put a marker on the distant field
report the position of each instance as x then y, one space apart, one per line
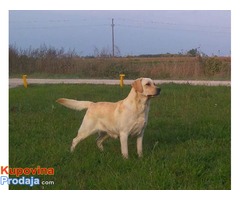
176 67
186 145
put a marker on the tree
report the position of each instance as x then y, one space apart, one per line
193 52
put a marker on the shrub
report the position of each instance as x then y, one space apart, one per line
214 66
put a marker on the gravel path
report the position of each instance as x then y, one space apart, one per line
14 82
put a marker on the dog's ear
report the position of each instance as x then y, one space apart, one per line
137 85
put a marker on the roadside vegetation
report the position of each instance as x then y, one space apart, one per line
49 62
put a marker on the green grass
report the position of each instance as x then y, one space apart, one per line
186 145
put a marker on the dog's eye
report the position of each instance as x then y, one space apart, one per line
148 84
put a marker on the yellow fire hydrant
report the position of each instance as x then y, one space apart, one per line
25 84
121 79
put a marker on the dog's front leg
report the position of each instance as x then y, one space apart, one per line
139 144
124 144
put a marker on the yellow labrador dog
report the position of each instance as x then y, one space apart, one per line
120 119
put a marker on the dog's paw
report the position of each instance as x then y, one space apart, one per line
72 149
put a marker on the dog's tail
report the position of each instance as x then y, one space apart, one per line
74 104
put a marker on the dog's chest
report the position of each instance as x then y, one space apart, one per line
137 126
138 121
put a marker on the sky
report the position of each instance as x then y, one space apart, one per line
135 32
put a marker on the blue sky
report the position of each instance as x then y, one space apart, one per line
136 32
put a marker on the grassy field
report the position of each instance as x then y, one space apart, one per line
187 143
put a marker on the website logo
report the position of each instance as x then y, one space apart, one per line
21 174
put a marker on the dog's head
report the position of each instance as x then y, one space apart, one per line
146 87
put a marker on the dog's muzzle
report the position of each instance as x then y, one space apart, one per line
158 90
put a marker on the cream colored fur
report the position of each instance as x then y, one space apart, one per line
120 119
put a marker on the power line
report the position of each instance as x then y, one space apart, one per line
172 29
149 27
155 22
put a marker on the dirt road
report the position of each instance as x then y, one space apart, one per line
14 82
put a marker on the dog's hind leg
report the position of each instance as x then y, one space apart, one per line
83 132
80 136
102 136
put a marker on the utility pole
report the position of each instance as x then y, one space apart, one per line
112 37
